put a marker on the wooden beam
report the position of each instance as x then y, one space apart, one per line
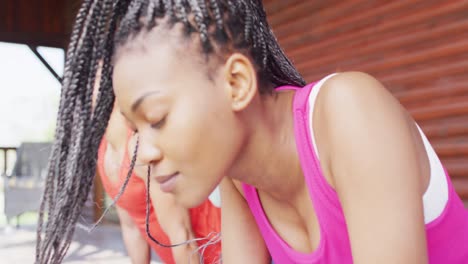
37 23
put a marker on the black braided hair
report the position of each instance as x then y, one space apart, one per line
101 27
241 23
72 165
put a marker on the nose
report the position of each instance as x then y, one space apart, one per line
148 152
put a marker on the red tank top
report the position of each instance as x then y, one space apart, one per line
205 218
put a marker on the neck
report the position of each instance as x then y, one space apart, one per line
269 161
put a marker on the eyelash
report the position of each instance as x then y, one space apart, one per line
159 124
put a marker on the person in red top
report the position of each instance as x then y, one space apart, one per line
168 222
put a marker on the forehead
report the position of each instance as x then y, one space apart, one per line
157 60
140 71
144 41
170 47
172 38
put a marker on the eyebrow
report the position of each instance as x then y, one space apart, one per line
140 100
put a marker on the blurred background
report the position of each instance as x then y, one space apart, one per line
33 39
417 48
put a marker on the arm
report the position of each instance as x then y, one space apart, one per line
241 239
176 223
136 245
375 169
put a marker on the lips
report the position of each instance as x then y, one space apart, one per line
167 182
164 178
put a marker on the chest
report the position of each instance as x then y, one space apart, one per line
298 224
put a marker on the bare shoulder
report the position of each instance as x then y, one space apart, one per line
350 89
357 96
353 109
372 155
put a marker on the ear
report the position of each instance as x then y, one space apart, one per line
241 79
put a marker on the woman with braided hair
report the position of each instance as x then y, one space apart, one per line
330 172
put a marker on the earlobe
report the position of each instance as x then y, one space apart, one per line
241 79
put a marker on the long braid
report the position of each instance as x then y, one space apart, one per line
69 180
54 242
86 112
68 92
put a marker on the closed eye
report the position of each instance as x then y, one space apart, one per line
159 124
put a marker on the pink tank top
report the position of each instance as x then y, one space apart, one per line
447 236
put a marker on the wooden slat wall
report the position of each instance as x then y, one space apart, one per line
417 48
41 23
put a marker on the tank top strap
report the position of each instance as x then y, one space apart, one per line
301 98
320 189
301 95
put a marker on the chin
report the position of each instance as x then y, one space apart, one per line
190 200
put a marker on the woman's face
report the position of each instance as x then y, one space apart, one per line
188 133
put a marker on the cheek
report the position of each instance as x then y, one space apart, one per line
192 128
213 138
204 141
201 132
